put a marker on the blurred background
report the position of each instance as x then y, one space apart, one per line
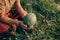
48 16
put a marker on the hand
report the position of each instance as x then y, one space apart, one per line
27 28
24 26
30 27
25 13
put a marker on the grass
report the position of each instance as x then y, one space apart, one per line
47 27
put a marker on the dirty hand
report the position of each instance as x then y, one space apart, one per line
21 24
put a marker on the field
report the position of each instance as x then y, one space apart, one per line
48 24
48 16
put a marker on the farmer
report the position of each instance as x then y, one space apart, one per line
5 21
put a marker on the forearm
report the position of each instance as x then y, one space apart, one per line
7 20
19 8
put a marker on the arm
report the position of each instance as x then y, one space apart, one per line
7 20
22 13
19 9
10 21
3 17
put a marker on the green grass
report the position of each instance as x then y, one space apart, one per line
57 1
48 24
48 16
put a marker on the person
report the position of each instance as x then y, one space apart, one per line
5 21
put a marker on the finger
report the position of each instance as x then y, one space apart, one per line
31 27
24 26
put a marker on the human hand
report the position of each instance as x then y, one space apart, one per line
24 26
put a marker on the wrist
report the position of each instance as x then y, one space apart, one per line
14 21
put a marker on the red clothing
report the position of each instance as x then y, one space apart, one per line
3 27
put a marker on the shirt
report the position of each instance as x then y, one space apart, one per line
5 5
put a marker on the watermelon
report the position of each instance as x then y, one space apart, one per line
30 19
